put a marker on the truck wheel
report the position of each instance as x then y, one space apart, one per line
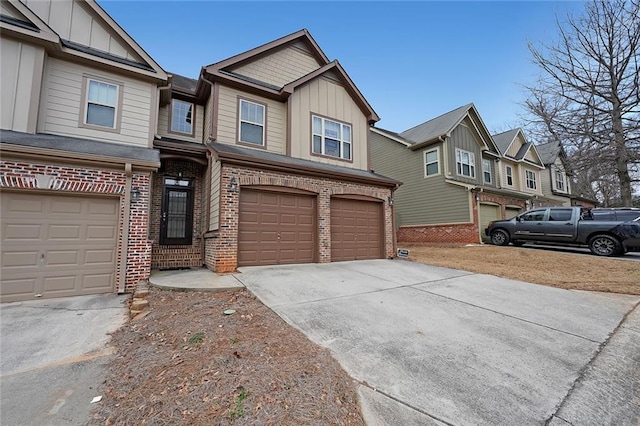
605 245
499 237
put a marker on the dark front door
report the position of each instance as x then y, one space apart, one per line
177 212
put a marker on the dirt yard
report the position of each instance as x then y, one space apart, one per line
188 363
548 267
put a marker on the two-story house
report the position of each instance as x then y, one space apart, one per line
79 106
455 178
264 160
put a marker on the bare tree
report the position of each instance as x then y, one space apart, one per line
588 96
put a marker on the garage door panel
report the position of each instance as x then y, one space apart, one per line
356 229
59 246
282 230
488 212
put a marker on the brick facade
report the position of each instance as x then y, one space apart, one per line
177 256
221 246
67 179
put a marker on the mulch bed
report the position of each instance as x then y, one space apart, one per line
188 363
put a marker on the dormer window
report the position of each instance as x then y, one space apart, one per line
182 114
331 138
251 127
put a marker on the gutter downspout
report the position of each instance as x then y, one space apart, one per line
393 222
207 200
125 229
211 94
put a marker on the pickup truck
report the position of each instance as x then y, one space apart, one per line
567 226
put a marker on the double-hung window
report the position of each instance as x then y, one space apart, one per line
531 179
509 176
465 163
182 117
331 138
102 104
486 171
431 162
560 180
252 119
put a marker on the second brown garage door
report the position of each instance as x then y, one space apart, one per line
276 228
356 230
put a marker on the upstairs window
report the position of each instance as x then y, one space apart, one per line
432 162
252 119
331 138
531 179
182 117
465 163
560 180
486 171
509 176
101 104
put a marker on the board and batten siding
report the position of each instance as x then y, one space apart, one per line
463 138
163 124
330 100
75 21
228 119
281 67
62 105
420 200
214 199
515 147
21 66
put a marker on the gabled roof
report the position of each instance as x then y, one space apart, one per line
390 135
243 57
549 152
505 139
442 126
26 23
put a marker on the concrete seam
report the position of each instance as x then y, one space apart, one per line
584 369
73 310
510 316
367 385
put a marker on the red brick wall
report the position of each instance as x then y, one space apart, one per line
69 179
221 247
177 256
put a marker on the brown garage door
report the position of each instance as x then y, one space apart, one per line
356 230
57 245
276 228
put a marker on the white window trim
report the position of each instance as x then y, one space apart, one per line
424 156
193 115
485 161
472 164
527 180
263 125
562 180
508 175
341 140
117 115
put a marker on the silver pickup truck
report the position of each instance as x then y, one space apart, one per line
567 226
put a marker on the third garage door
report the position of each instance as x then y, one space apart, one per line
356 229
276 228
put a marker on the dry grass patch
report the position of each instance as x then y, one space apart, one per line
550 268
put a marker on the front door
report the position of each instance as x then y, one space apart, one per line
176 226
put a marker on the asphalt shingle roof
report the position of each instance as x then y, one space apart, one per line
185 83
435 127
504 139
548 152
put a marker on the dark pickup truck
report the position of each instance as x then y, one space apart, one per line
567 226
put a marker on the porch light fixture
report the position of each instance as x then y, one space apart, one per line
135 194
390 201
233 185
477 197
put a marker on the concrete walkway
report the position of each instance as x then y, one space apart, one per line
437 346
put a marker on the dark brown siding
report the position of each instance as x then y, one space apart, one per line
356 230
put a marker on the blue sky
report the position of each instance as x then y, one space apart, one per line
412 60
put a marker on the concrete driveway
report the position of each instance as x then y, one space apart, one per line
53 357
434 346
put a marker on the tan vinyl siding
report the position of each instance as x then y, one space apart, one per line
280 67
75 21
420 200
531 156
21 68
546 181
523 179
214 201
515 147
463 138
330 100
228 119
62 105
163 125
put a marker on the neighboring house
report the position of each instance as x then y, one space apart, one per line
455 179
265 161
79 103
556 180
